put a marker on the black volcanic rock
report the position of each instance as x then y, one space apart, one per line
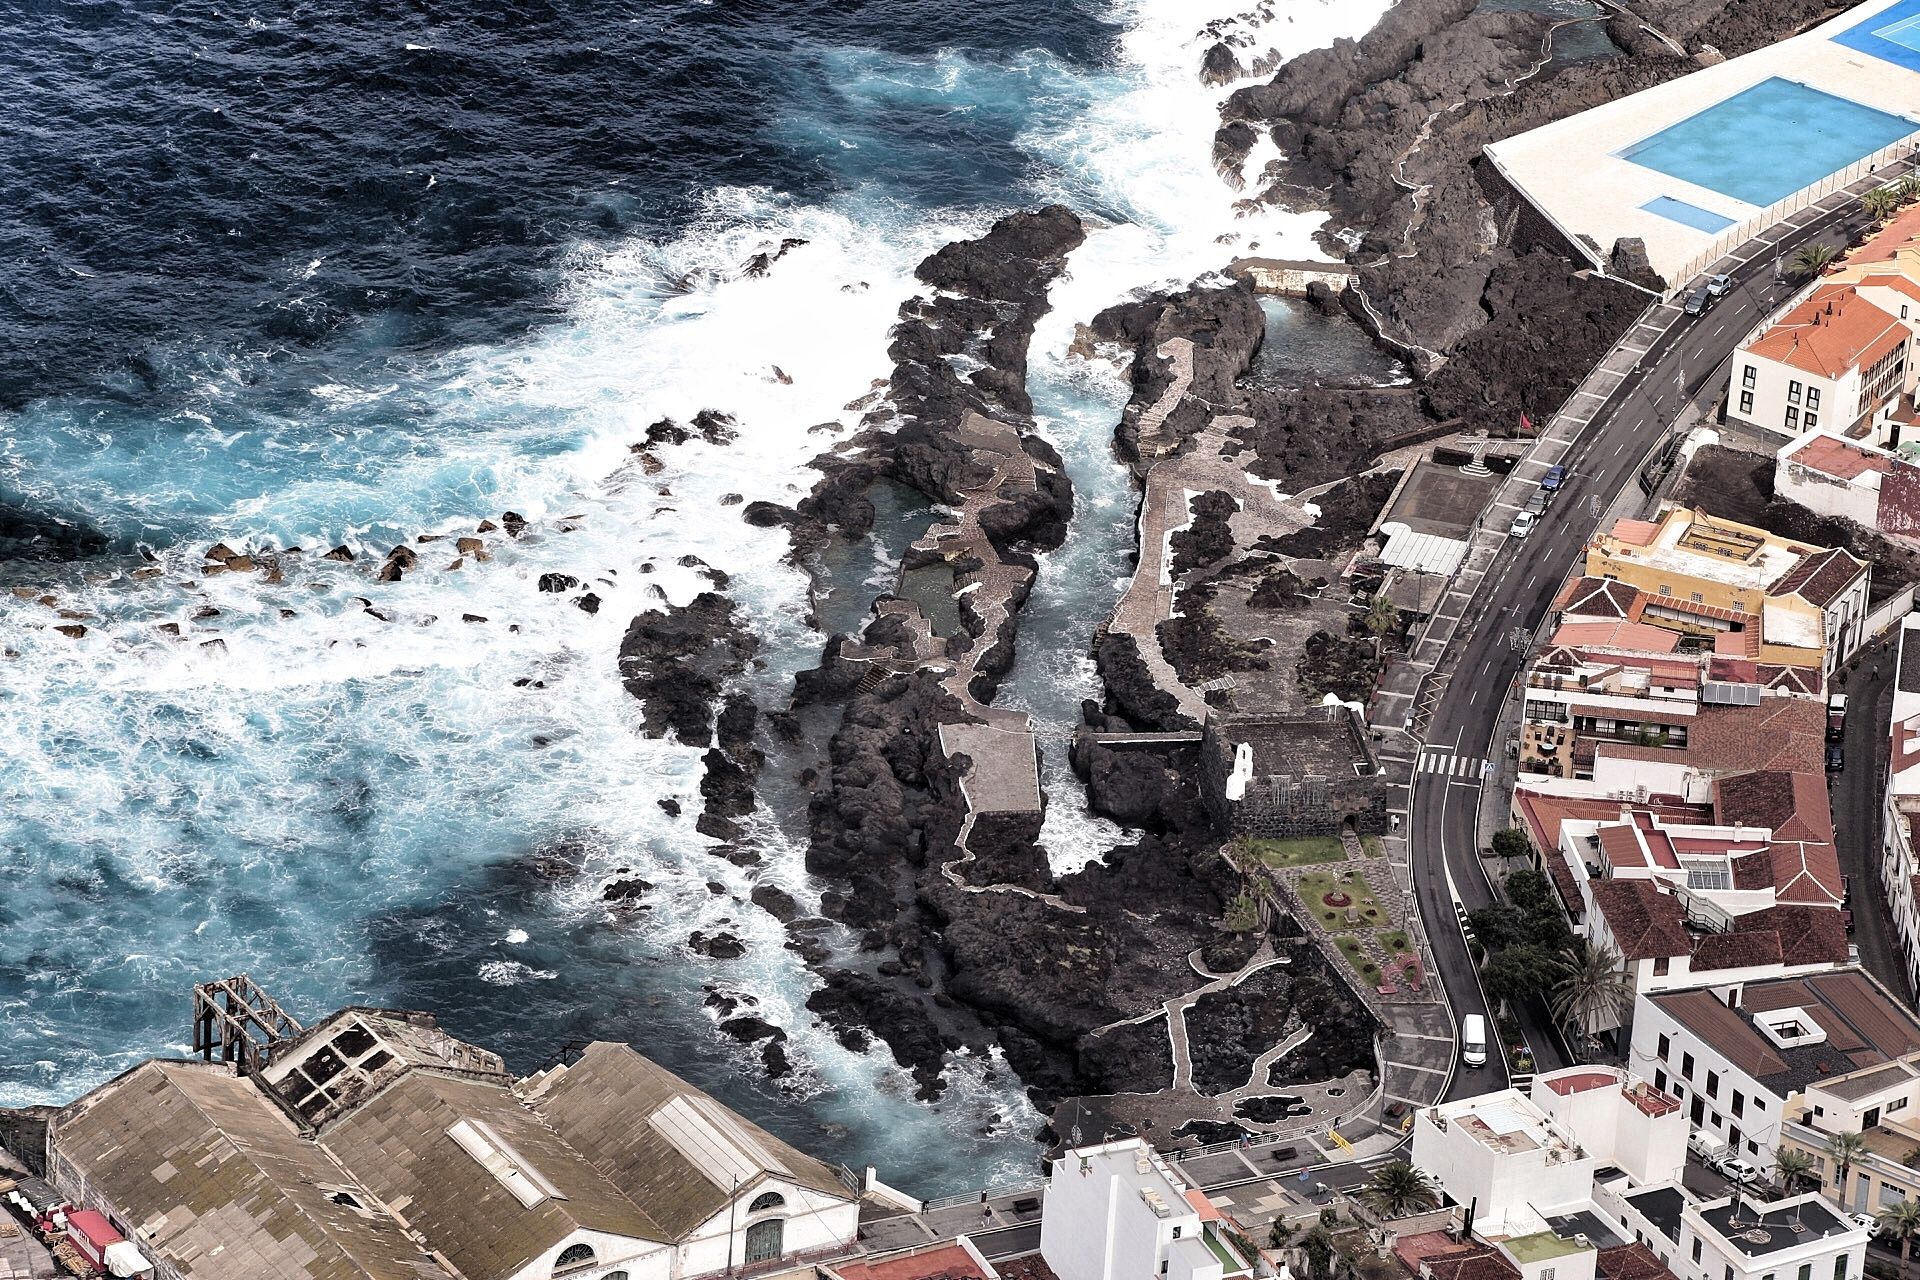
853 1003
675 661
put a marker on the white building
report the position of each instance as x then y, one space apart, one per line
1734 1054
1118 1211
1836 360
1735 1238
1618 1119
1504 1158
1899 865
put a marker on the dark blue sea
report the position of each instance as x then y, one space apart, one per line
313 274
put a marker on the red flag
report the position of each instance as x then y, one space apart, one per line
1526 423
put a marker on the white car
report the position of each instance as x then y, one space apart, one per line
1522 524
1865 1221
1734 1169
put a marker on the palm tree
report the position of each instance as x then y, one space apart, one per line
1594 991
1398 1189
1843 1149
1793 1166
1880 203
1812 259
1908 189
1901 1220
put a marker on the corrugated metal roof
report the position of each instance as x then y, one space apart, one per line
1427 552
214 1177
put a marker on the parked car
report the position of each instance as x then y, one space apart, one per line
1698 301
1555 477
1846 918
1836 757
1865 1221
1473 1040
1710 1149
1734 1169
1537 504
1836 717
1523 524
1718 285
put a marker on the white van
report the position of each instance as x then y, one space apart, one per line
1473 1040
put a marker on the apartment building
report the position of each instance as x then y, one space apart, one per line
1734 1054
1734 590
1739 1238
1900 838
1117 1210
1838 359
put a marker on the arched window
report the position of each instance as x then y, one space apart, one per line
614 1275
768 1200
763 1239
574 1255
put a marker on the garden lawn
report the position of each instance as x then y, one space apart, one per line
1298 853
1316 885
1356 953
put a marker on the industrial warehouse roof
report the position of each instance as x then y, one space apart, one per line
215 1179
215 1176
673 1147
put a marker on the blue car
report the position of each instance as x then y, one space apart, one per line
1555 477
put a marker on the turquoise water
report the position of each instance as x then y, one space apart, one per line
1769 141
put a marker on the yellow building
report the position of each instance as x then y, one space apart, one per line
1737 590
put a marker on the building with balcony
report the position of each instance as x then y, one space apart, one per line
1900 838
1117 1210
1881 1104
1839 359
375 1146
1734 1054
1735 590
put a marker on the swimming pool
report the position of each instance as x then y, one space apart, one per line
1769 141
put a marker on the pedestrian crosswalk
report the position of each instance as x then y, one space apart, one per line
1451 765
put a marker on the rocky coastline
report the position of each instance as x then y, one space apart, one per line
964 940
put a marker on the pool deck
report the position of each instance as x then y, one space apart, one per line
1572 170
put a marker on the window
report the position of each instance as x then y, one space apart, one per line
1665 590
770 1200
1660 1081
1793 416
1686 1069
493 1154
1840 1267
1753 1148
1697 599
573 1257
615 1275
1176 1233
1806 1271
763 1239
1546 1273
1813 419
1713 1084
1696 1248
1739 1103
1870 1118
1661 966
1897 1104
1729 1271
1759 1103
1746 376
1793 391
1813 397
1746 402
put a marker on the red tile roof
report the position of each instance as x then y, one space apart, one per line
1639 533
1807 934
1646 924
1581 596
1833 331
1841 459
1636 637
1543 812
943 1262
1780 733
1630 1262
1744 950
1479 1263
1820 577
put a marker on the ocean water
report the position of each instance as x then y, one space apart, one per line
348 275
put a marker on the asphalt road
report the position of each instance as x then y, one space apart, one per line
1693 354
1857 792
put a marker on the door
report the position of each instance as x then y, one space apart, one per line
763 1240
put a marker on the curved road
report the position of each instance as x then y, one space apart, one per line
1480 665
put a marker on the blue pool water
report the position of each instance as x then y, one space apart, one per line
1767 142
1892 35
1691 215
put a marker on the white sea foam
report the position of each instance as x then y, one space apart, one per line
343 768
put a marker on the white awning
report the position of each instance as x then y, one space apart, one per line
1427 552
